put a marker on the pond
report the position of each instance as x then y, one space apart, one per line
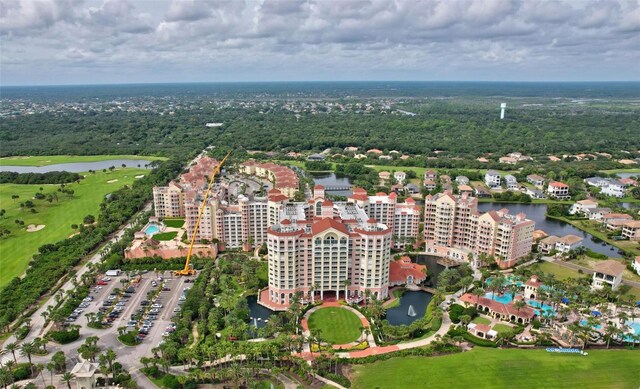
417 300
76 167
536 212
258 314
329 180
433 268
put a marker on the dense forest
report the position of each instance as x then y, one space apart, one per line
39 178
461 128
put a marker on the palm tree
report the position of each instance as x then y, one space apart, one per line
610 331
477 292
52 368
40 369
68 377
26 350
12 347
346 284
6 377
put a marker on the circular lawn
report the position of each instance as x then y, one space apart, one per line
337 325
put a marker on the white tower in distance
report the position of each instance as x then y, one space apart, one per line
502 108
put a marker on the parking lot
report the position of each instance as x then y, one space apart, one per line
146 306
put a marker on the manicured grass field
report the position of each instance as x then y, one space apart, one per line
44 160
16 249
481 320
500 328
496 368
559 271
337 325
165 235
174 223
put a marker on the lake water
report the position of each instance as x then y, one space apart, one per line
399 315
433 269
627 175
76 167
257 311
536 212
329 180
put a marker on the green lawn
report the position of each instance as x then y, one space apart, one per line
481 320
496 368
165 235
16 249
44 160
560 272
337 325
174 223
500 328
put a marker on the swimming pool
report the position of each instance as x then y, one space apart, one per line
504 299
547 310
584 323
151 229
635 327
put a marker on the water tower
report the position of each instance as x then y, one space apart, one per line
503 106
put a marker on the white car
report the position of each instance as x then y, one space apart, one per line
156 306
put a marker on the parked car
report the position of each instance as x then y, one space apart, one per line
156 306
144 302
177 309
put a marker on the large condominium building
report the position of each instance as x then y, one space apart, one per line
243 224
402 218
283 178
454 228
337 249
168 200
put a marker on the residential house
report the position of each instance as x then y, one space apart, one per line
430 185
615 221
482 192
430 175
351 149
316 157
560 245
462 180
596 213
510 182
384 175
360 156
580 207
607 273
534 193
631 230
608 186
385 157
536 180
374 151
558 190
412 188
492 178
636 264
400 176
462 189
508 160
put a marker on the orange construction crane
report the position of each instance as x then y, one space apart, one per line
188 271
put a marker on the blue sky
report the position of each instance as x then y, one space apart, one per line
120 41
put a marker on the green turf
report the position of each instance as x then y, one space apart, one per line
44 160
559 271
174 223
481 320
17 249
337 325
498 368
165 235
500 328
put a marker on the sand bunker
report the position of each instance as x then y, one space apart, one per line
112 181
34 228
140 176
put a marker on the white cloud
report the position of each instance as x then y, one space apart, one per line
308 39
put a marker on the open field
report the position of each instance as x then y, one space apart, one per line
632 170
173 223
560 272
58 216
44 160
337 325
495 368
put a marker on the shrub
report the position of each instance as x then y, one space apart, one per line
21 372
64 337
342 380
22 332
129 339
170 381
455 311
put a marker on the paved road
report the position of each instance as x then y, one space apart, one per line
37 321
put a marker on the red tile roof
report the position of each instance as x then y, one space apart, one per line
327 223
503 309
402 268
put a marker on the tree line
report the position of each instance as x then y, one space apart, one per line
39 178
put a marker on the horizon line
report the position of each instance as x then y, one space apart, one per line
318 81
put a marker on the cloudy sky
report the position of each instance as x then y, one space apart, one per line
122 41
